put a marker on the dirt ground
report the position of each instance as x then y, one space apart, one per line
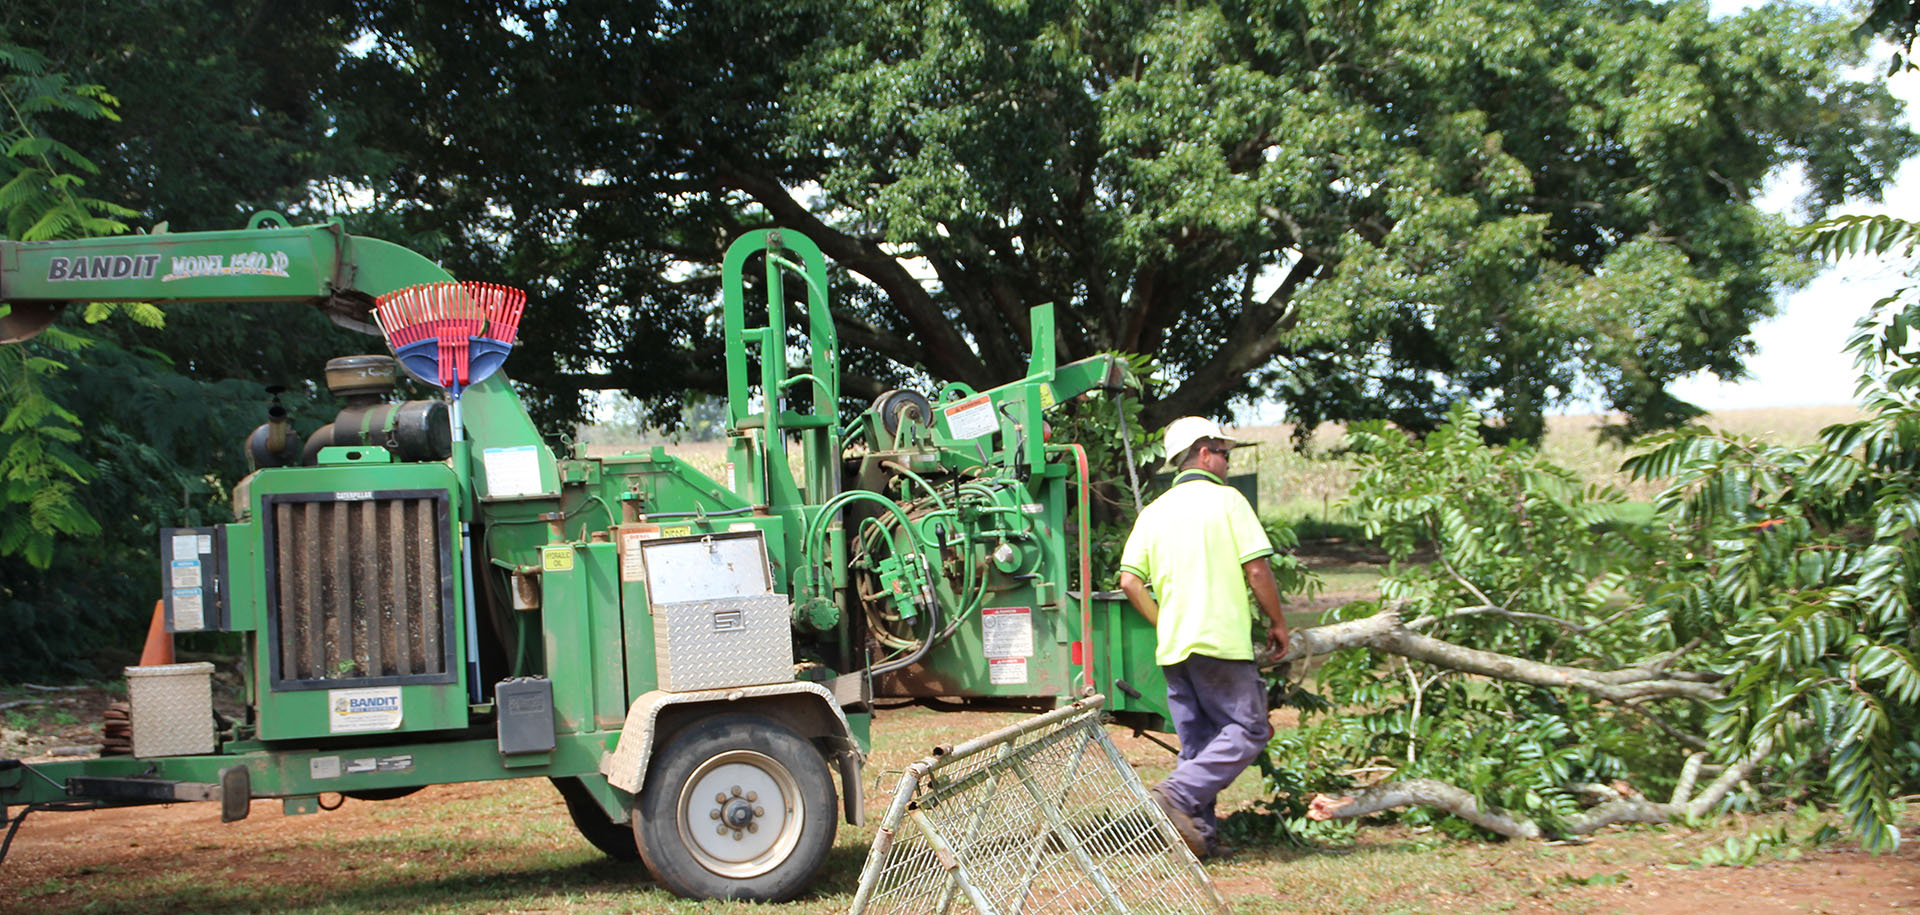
57 857
61 862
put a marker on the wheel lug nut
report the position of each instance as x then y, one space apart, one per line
721 830
714 815
759 811
753 796
751 827
720 798
736 791
738 835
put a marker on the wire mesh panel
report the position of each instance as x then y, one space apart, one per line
1042 816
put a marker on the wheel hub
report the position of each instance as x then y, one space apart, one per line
737 811
740 813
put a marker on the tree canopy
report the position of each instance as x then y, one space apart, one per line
1361 210
110 427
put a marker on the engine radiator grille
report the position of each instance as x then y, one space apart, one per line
360 588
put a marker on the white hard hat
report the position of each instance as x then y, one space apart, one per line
1183 432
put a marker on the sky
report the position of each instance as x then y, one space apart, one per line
1800 360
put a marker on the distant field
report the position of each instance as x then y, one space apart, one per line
1296 486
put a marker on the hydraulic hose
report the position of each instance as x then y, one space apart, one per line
902 470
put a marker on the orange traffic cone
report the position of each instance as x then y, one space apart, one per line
159 647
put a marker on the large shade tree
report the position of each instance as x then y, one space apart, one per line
1363 210
195 114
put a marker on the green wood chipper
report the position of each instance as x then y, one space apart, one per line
426 594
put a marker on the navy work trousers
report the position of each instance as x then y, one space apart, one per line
1220 715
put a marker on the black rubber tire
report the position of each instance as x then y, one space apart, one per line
800 831
615 839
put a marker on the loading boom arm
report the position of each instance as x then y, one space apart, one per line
339 273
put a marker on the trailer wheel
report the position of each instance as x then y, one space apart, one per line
615 839
736 807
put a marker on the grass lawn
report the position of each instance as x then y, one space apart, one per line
508 847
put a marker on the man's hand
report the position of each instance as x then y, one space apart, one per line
1267 595
1278 639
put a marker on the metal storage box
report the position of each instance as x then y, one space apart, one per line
731 641
172 709
716 621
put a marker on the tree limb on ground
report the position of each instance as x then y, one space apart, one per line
1650 679
1384 631
1427 792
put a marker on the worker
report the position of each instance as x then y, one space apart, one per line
1200 548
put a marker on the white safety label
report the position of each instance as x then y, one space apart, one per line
364 764
972 418
189 610
1006 632
186 573
512 471
323 767
184 546
375 708
1006 670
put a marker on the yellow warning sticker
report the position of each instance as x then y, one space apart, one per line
1046 395
557 559
676 530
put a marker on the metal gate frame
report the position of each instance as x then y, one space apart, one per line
1081 834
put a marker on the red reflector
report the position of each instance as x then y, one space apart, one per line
1077 655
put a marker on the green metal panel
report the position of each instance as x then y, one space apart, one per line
1038 665
499 430
306 714
861 723
303 713
245 595
1124 644
581 623
601 571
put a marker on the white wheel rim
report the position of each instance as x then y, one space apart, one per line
740 814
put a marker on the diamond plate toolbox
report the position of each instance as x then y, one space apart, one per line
172 709
722 642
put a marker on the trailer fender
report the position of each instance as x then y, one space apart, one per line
808 708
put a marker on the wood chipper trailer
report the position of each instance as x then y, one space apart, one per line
426 594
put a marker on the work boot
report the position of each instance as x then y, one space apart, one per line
1182 822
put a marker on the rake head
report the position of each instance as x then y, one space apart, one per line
451 334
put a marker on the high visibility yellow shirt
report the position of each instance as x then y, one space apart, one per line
1189 546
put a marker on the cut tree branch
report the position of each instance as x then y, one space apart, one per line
1427 792
1383 631
1628 686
